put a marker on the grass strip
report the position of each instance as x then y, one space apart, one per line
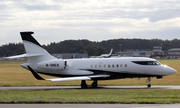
149 96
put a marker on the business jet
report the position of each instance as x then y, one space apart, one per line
41 62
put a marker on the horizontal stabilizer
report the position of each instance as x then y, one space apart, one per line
24 55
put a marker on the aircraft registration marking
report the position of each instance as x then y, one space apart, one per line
52 65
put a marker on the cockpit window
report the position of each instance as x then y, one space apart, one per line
147 62
157 63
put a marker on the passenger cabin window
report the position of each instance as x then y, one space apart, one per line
125 65
147 62
117 65
95 66
109 65
91 66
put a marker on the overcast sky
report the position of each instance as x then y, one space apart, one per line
95 20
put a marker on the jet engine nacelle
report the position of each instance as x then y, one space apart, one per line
52 65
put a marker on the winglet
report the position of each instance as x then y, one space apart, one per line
35 74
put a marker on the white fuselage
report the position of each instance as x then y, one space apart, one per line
80 67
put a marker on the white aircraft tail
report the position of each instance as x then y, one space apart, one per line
34 51
107 55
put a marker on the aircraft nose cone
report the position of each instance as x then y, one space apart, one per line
171 71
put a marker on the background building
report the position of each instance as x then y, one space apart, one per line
173 53
134 53
157 52
70 55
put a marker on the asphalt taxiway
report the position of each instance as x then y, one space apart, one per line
78 87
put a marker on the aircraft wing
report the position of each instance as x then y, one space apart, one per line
79 78
70 78
37 76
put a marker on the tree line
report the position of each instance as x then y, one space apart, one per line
91 47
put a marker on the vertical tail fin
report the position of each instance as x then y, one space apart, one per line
34 51
30 44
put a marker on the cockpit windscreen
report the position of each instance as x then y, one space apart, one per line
147 62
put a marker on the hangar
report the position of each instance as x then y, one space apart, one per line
173 53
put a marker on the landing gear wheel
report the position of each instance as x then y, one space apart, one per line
149 81
149 85
83 84
94 84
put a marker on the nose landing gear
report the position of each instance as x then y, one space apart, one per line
148 81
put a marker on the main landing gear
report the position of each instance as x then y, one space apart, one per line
148 81
94 84
84 85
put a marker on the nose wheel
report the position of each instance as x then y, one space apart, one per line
149 85
148 81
